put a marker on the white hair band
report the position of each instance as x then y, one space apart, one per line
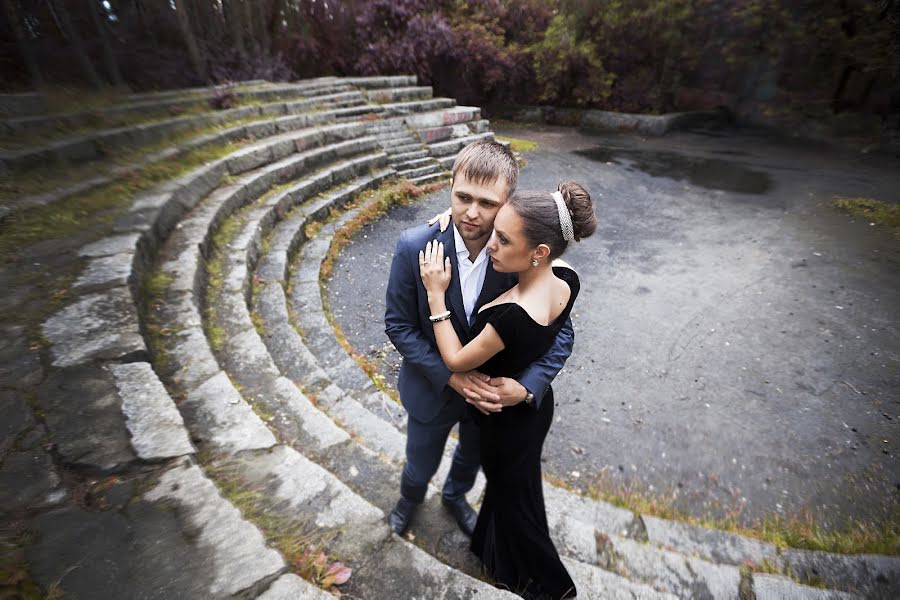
565 219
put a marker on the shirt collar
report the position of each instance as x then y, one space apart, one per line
462 253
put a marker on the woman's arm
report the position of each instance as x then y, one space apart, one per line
435 270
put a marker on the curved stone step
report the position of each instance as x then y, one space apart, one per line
388 95
95 144
223 419
263 128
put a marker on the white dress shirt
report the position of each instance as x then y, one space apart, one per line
471 274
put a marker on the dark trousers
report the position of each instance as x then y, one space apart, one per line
425 447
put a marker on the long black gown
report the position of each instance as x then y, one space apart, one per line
511 537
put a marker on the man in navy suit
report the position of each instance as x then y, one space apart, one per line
485 174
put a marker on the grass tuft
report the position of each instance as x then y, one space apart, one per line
874 211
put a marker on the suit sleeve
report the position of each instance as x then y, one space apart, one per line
536 378
401 319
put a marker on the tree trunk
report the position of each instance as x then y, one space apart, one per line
253 41
112 66
22 41
184 24
234 19
69 31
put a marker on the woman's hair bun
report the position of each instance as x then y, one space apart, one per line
584 220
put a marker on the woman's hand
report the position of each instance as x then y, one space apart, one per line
443 218
434 268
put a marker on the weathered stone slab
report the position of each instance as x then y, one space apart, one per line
139 552
291 587
105 271
311 490
686 577
20 365
27 480
373 432
870 575
222 417
116 244
157 429
772 587
15 418
602 516
240 557
98 326
84 414
594 582
399 565
192 356
286 347
713 545
313 421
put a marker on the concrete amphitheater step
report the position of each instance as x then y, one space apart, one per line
418 172
397 94
451 147
220 418
95 144
147 108
262 128
432 178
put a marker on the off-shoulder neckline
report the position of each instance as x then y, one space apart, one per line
558 317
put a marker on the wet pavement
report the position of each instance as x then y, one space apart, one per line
736 336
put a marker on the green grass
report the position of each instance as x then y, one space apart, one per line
886 214
518 144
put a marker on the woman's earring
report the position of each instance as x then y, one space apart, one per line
535 262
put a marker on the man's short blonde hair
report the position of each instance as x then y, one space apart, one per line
485 162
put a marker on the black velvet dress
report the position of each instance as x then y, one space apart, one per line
511 537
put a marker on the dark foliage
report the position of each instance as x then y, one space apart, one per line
641 55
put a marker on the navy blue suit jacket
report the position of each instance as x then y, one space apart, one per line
423 374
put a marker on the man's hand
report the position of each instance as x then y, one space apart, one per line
509 391
476 389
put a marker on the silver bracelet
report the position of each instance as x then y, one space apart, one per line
441 317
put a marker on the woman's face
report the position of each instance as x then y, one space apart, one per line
510 251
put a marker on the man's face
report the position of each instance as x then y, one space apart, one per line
474 207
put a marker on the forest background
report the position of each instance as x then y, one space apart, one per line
757 58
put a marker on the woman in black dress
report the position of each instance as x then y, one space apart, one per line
531 231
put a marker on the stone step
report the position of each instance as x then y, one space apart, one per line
92 145
453 146
443 118
432 178
147 108
431 135
401 157
239 558
403 148
388 95
416 107
413 163
421 171
378 81
773 587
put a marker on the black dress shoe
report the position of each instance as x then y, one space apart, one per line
401 515
465 515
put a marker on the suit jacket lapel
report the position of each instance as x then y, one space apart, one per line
454 292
